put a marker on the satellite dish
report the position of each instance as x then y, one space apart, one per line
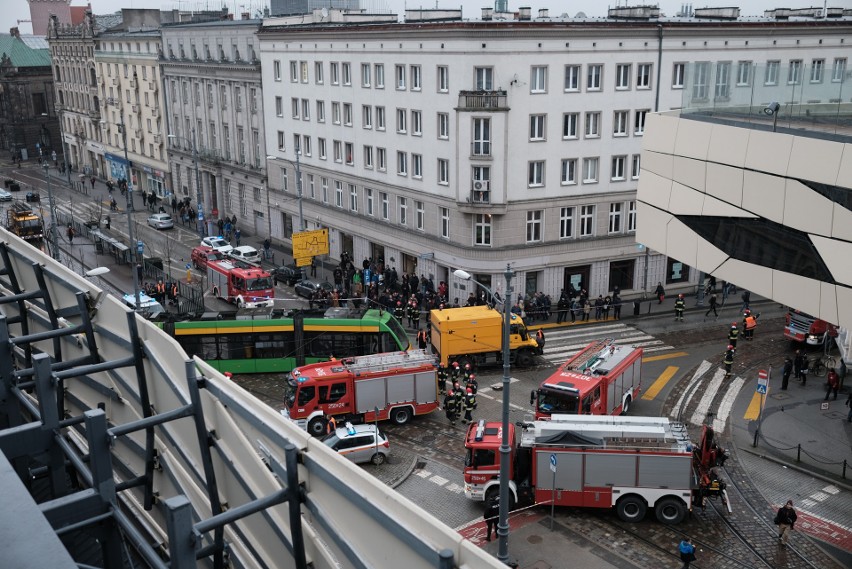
324 13
581 16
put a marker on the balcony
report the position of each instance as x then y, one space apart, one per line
157 138
155 112
496 101
95 114
135 109
115 81
133 84
153 86
480 150
479 199
138 133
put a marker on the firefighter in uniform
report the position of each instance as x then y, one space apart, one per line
469 406
450 408
409 313
454 373
399 312
679 305
467 372
750 323
442 379
729 360
458 395
415 314
472 383
733 334
539 338
422 339
161 292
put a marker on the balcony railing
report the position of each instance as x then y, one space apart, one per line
483 101
480 149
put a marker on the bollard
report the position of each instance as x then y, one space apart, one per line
189 275
844 469
799 452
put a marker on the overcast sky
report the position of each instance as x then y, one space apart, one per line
19 9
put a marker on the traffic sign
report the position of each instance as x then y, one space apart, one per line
140 247
762 381
552 462
762 374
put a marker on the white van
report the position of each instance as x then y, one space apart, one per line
149 307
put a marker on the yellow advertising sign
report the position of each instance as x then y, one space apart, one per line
307 244
303 261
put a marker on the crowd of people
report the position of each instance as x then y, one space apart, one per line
577 305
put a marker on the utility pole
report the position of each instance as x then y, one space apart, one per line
54 242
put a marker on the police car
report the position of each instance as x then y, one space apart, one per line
359 443
148 306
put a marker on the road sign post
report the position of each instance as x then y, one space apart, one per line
763 389
553 490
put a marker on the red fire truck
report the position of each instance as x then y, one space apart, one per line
397 384
245 286
805 328
600 379
627 463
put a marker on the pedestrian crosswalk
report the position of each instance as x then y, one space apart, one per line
564 343
708 384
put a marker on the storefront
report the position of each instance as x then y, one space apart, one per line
117 168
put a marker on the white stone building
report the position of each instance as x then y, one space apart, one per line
438 143
213 94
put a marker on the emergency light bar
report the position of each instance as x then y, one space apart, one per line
558 387
480 431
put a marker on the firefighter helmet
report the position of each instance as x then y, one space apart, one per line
680 296
467 366
472 376
455 364
470 390
449 392
733 324
730 346
399 304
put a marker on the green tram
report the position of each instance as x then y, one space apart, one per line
247 343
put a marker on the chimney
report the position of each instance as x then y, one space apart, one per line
543 13
487 13
524 13
245 15
15 33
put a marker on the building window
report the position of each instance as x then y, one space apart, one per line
321 148
634 171
281 140
615 217
699 84
619 123
334 72
587 221
722 89
401 121
349 149
538 79
338 193
402 163
367 116
593 124
631 217
294 71
383 197
318 74
569 125
482 230
619 165
276 70
643 75
593 77
444 215
838 70
572 78
678 75
743 73
481 137
534 226
417 166
639 122
335 112
771 75
380 75
380 118
817 65
337 150
590 170
279 106
481 184
400 77
535 176
622 76
416 123
306 145
537 127
303 66
443 126
569 171
403 211
320 111
346 70
794 72
369 193
294 108
484 78
353 198
366 75
324 184
566 222
284 180
443 79
443 171
368 157
420 216
306 109
416 78
347 114
382 159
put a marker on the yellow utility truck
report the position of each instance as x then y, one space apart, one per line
24 222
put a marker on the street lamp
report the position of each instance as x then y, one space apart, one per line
54 242
772 110
505 449
298 194
198 196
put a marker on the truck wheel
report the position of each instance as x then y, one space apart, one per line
378 459
401 415
670 511
317 426
524 358
625 407
631 509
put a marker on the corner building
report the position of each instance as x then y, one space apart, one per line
440 143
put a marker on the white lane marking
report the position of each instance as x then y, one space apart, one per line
439 480
727 404
423 473
596 331
706 400
696 377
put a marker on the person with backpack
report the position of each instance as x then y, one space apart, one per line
687 552
785 519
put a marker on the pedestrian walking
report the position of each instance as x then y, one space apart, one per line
221 225
785 375
616 306
70 233
540 339
687 552
832 384
93 182
800 362
492 512
712 306
729 360
450 407
237 234
785 519
660 292
313 265
421 339
679 306
746 296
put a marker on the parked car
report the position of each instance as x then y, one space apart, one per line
289 274
33 197
148 306
5 196
161 221
217 243
245 253
358 443
201 255
306 288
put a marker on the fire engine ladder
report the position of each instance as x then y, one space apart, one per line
411 358
591 353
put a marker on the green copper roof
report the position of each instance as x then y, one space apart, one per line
21 54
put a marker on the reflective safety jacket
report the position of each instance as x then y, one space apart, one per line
729 357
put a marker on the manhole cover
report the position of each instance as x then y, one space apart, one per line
535 539
780 396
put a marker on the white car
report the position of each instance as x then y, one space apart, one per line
217 243
161 221
5 196
358 443
245 253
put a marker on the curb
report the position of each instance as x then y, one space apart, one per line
795 467
393 483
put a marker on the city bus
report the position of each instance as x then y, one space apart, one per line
246 343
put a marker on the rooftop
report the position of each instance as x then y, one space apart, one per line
21 54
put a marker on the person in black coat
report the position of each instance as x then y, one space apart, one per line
492 512
785 375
